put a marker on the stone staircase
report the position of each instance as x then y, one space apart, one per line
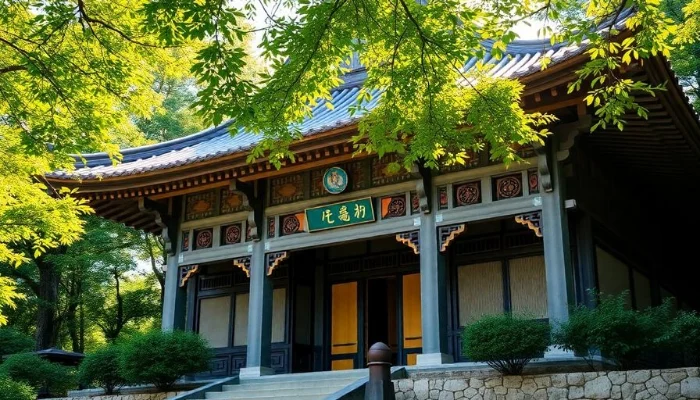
300 386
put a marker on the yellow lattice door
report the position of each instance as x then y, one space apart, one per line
412 331
343 325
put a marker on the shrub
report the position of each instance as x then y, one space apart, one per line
12 342
11 390
620 334
38 373
684 335
505 342
101 368
160 358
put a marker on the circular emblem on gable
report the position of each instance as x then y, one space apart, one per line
335 180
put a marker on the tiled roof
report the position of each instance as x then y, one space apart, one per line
522 58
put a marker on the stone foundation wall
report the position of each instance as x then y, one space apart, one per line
132 396
683 383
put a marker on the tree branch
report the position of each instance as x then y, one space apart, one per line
12 68
108 26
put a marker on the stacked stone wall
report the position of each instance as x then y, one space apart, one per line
134 396
682 383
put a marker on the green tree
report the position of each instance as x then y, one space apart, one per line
685 57
66 67
125 301
62 288
175 118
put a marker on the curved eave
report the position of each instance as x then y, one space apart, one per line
238 157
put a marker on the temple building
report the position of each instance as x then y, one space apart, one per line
303 268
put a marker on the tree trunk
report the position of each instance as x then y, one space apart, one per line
160 276
46 326
72 314
112 334
82 325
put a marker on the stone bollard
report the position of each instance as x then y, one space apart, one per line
379 386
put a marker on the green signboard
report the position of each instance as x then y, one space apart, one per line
337 215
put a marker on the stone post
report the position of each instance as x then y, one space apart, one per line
379 386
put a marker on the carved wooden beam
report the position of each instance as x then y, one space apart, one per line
243 263
163 219
448 233
533 220
410 239
186 272
543 167
273 260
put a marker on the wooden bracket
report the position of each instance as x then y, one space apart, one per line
567 135
543 167
163 219
273 260
423 187
410 239
533 220
448 233
243 263
253 200
186 272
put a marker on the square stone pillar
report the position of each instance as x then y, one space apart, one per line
557 251
433 295
259 316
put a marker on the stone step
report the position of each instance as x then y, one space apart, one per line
277 396
305 376
291 384
272 393
299 386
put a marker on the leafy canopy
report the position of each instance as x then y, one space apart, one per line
73 76
76 74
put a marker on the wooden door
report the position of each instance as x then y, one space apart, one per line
344 341
412 331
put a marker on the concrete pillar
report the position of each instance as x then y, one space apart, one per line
174 298
557 252
259 316
433 296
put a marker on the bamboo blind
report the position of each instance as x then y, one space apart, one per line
279 302
528 286
214 320
240 320
480 289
